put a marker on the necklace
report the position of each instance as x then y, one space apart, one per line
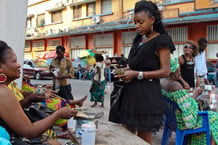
146 39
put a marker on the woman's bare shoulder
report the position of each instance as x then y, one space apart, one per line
6 94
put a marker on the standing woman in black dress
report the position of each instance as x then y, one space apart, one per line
141 106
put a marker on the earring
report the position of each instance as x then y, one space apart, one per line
3 77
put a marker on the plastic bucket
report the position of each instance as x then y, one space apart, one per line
88 134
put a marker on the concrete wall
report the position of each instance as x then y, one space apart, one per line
12 26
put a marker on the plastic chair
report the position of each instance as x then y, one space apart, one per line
170 125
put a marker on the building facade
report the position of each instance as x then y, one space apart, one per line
108 25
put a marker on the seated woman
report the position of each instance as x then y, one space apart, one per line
30 94
188 117
12 116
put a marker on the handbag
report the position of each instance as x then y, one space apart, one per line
115 101
117 91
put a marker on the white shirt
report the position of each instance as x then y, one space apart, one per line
102 66
200 64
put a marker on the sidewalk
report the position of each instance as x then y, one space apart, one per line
81 88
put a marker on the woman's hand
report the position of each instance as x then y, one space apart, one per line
186 86
50 93
66 113
128 75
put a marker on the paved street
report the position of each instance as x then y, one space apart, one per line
81 88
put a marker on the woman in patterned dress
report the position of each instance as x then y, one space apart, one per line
187 115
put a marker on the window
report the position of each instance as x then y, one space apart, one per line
77 11
127 39
179 36
56 16
29 22
104 43
212 37
77 45
53 43
106 6
77 42
38 46
40 20
91 9
27 47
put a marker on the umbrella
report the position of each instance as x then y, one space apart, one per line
89 59
78 61
86 53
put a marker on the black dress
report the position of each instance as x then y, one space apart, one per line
187 72
141 107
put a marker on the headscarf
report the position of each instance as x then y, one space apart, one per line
174 64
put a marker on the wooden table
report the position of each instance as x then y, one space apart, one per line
112 134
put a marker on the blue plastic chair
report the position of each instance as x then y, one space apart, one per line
170 125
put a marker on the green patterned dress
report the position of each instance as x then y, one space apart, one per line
188 117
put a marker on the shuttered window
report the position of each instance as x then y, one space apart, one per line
179 36
77 42
108 50
91 9
127 40
56 16
52 44
40 20
77 11
74 53
104 42
212 38
106 6
27 47
38 46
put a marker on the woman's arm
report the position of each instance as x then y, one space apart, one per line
164 71
13 115
185 84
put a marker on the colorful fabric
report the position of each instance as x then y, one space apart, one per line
27 87
55 104
65 67
16 90
97 91
13 86
174 64
187 117
4 137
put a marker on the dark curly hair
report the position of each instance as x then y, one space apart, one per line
3 50
99 58
152 10
61 48
194 47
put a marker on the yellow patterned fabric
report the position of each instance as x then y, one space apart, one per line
65 67
16 90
